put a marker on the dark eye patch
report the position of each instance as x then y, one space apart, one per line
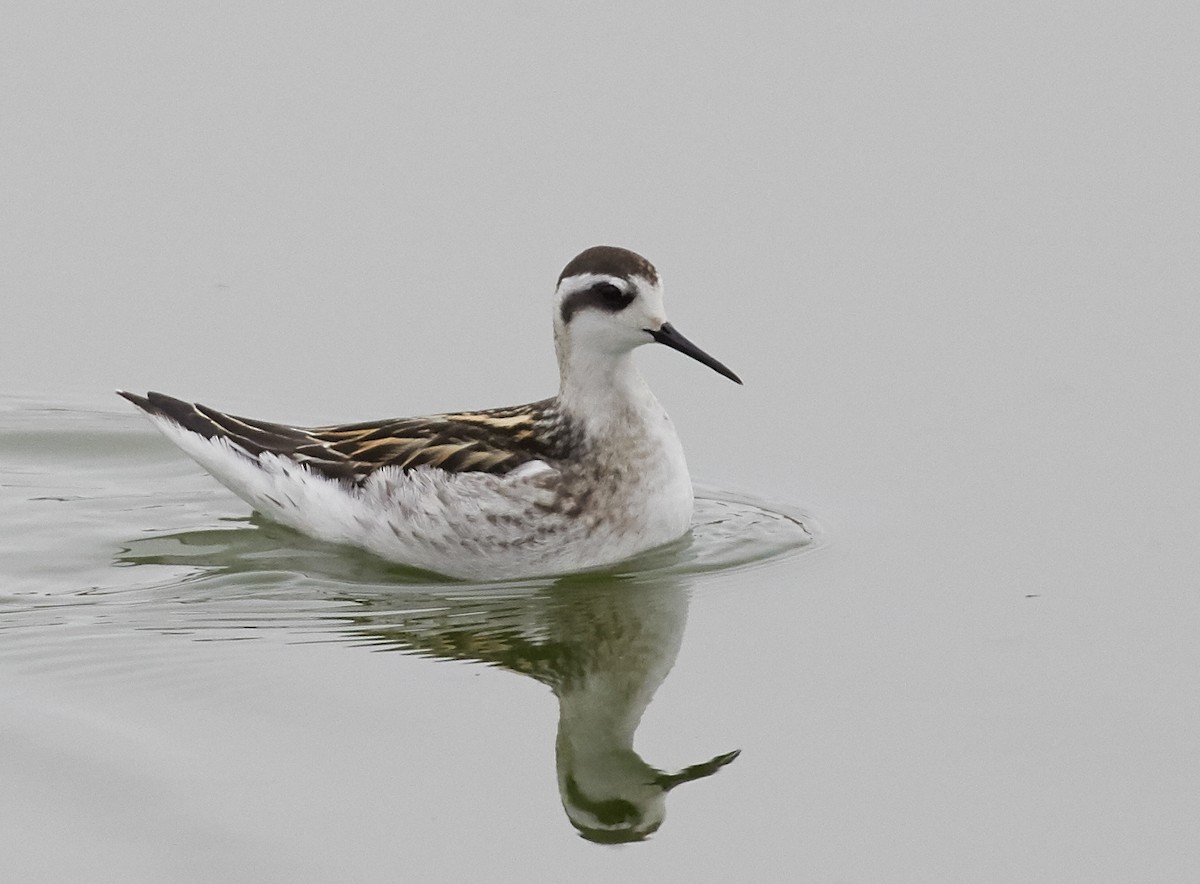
602 296
610 294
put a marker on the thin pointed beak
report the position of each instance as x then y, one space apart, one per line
673 339
696 772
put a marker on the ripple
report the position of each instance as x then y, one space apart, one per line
154 544
154 548
729 531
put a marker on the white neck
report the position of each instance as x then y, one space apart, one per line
603 390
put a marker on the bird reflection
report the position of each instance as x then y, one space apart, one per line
602 643
603 646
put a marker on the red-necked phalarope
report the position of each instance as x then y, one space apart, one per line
587 478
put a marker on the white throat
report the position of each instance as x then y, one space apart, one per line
603 390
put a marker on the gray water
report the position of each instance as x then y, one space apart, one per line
950 248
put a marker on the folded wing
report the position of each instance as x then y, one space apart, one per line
495 441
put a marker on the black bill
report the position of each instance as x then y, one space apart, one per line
673 339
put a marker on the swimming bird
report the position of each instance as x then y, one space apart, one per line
575 482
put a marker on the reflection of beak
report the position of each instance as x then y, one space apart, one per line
673 339
669 781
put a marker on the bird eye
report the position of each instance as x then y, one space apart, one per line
603 296
611 294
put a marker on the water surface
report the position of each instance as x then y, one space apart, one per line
120 553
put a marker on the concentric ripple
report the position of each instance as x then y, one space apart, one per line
112 533
729 531
108 525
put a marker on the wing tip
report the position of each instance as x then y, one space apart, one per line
162 405
140 401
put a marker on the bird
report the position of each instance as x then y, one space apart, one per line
577 482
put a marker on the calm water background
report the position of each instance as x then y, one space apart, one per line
951 250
